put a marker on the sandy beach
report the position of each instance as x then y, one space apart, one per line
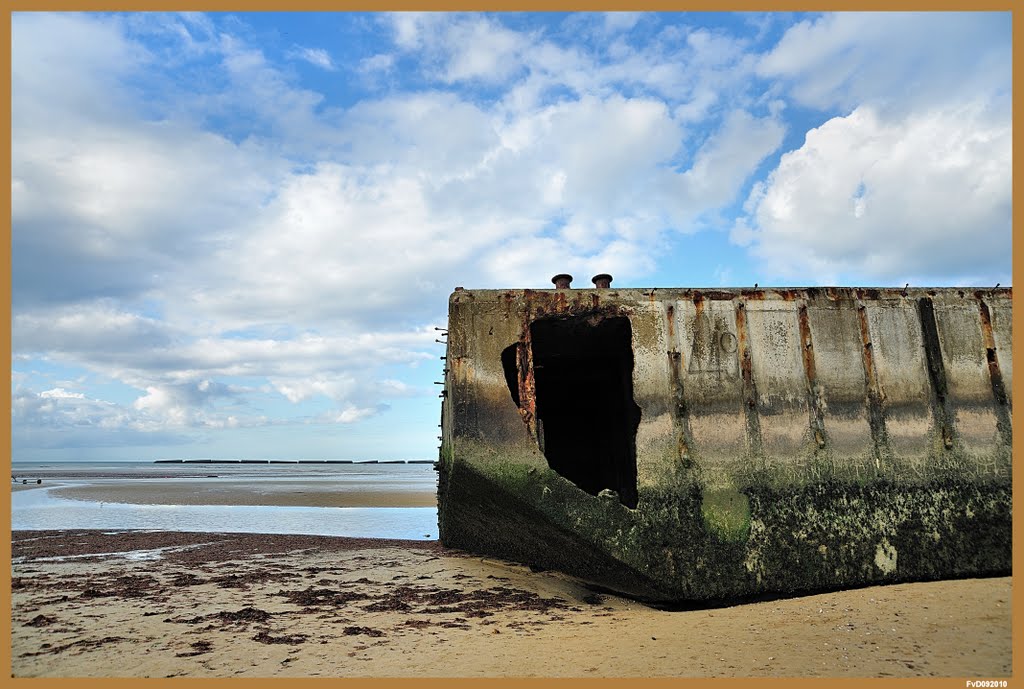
164 604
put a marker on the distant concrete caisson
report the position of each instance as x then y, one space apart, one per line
709 444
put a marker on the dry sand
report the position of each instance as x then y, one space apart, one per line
85 603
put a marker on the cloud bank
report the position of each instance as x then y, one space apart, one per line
234 231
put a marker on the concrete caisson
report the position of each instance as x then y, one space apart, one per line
685 444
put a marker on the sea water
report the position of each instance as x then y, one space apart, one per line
38 509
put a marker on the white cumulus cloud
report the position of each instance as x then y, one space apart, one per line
317 57
899 60
927 197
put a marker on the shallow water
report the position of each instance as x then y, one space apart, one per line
385 473
38 509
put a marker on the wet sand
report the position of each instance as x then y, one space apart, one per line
90 604
281 492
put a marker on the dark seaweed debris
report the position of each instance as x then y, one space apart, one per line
294 639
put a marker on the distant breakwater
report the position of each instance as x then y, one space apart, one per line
293 461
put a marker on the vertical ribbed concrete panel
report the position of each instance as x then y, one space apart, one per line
780 383
711 383
842 383
1001 315
652 390
971 404
903 380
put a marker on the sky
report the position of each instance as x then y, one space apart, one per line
233 235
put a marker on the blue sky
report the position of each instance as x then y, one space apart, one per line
234 234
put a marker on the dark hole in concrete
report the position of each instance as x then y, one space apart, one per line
508 364
583 369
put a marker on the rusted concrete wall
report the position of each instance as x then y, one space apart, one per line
789 439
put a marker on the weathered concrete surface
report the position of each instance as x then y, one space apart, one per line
781 440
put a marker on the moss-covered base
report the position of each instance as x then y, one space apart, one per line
479 514
684 545
835 535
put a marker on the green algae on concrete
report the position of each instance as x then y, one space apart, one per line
726 513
